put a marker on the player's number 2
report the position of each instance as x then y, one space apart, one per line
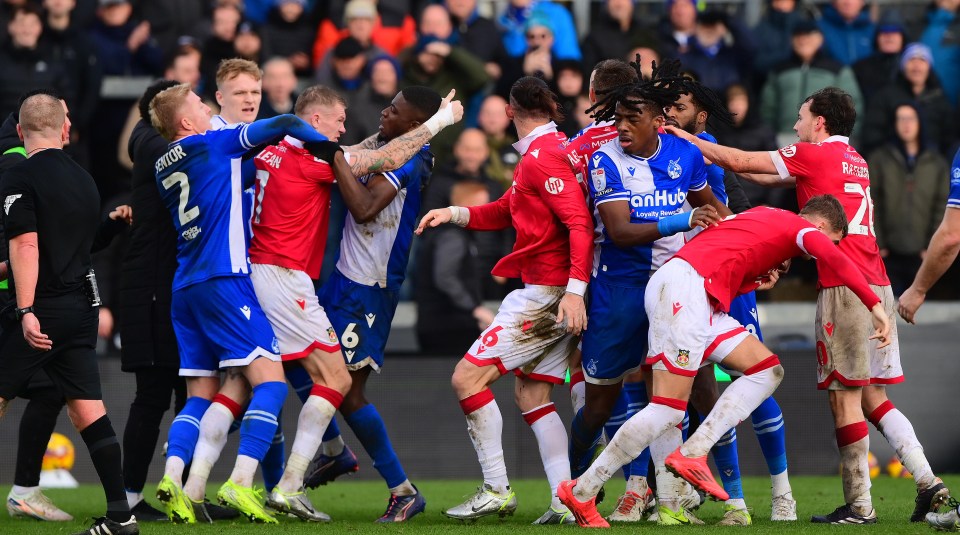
862 222
186 215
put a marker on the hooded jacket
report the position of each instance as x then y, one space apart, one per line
847 42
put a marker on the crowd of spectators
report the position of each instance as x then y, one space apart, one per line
903 72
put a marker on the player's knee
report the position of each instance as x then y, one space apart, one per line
597 414
532 396
353 400
342 382
466 378
84 412
873 396
777 372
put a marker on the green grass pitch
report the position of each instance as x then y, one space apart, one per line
355 504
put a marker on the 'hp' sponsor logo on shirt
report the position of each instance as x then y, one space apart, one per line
553 185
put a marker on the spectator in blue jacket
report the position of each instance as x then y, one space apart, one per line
775 32
942 35
513 23
719 53
847 31
124 47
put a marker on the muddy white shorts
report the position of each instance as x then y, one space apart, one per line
846 357
685 329
525 336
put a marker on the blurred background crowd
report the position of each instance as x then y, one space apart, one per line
900 61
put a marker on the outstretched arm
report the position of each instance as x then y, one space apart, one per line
400 149
264 130
941 253
729 158
364 202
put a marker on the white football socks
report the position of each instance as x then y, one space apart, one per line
314 418
214 428
552 441
638 432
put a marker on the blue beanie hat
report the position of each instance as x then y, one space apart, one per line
916 50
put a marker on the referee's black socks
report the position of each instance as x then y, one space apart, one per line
104 450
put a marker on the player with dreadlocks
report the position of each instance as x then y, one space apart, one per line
638 187
695 108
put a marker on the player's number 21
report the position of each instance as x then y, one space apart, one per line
862 222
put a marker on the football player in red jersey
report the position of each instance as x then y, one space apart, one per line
854 373
688 300
537 326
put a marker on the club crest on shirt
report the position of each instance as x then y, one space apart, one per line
956 174
674 169
683 358
789 151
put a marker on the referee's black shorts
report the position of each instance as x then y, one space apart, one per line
71 324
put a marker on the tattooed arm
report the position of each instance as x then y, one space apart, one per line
371 142
390 156
371 159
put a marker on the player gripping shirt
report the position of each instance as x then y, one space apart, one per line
362 294
221 320
834 167
654 187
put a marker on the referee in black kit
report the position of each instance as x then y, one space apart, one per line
51 216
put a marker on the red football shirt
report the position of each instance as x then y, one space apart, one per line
735 255
834 167
592 137
548 208
291 211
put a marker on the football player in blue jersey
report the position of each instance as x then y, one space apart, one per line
691 112
362 294
216 316
638 186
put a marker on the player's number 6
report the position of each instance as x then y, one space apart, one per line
349 339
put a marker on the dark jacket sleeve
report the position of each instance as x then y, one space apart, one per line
451 250
736 198
108 230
